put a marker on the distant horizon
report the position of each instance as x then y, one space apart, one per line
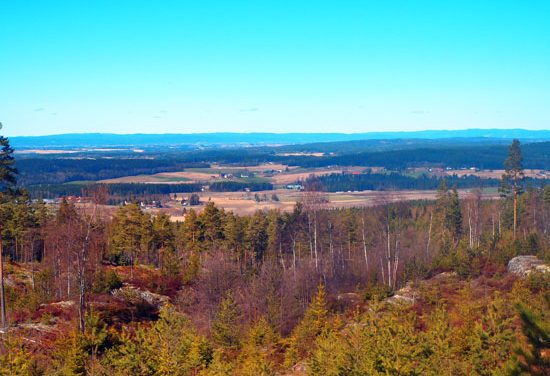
309 66
282 133
83 140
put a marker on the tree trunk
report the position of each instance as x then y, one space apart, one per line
331 248
429 237
81 298
499 228
281 255
68 277
382 269
365 246
493 220
309 236
395 261
3 320
294 255
82 262
470 226
388 257
515 211
315 241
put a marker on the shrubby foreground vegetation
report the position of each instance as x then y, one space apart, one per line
409 288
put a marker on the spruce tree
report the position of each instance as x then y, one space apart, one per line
8 180
449 215
454 215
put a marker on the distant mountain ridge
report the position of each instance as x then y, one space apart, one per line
227 138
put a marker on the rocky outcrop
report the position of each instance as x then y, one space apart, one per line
522 266
65 304
37 326
406 294
134 295
349 298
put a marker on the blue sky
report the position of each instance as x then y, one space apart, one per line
273 66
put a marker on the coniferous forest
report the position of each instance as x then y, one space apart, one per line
400 288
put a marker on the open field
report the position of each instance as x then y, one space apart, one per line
497 174
302 174
75 150
258 168
46 151
200 175
277 174
161 178
292 177
243 203
302 154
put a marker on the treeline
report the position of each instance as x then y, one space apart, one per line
50 191
330 183
244 289
125 190
341 245
234 186
395 181
50 169
536 155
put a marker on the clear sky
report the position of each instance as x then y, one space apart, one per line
273 65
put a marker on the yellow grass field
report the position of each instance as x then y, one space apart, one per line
291 177
289 174
497 174
163 177
243 203
45 151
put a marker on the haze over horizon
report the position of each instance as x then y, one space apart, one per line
492 132
214 66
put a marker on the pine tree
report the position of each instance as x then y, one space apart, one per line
233 229
172 339
211 220
259 350
437 339
127 235
70 356
513 177
314 323
16 360
169 347
225 327
441 210
163 232
256 236
490 337
448 214
532 359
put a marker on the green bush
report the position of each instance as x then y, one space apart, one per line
106 282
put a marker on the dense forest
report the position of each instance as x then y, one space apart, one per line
128 190
330 183
55 169
408 288
393 181
397 181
